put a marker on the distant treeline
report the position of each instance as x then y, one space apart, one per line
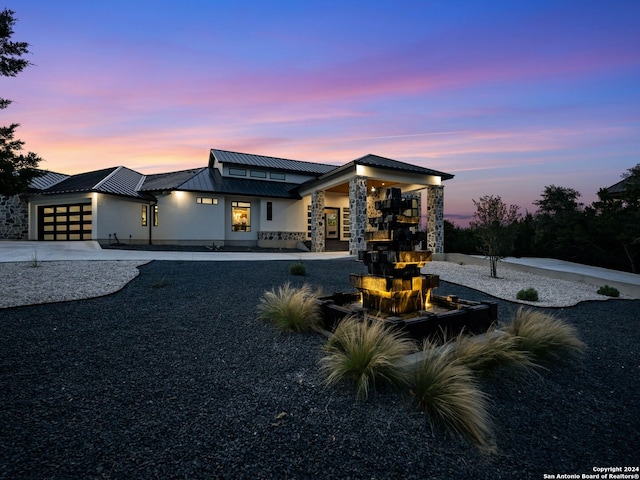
605 233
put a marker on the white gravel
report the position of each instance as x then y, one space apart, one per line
552 292
29 283
22 283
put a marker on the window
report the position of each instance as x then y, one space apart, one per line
144 215
240 172
155 215
269 210
258 174
240 216
277 176
206 200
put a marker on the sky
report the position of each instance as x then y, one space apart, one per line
509 96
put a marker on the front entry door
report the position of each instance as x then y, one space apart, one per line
331 222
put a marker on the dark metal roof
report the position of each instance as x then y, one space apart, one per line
273 163
123 181
618 189
210 180
47 180
371 160
378 162
82 182
115 181
168 181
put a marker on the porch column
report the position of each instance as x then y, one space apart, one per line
357 214
317 221
435 218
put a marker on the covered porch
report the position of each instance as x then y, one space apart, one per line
341 201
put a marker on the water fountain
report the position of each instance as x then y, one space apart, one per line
394 290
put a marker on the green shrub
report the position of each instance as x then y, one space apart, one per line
297 268
483 355
608 291
529 295
544 336
294 309
448 392
367 353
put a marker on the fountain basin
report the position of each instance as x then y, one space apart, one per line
445 318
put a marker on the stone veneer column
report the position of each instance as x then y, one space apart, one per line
317 221
358 214
435 218
14 218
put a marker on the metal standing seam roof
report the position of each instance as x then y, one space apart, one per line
388 163
210 180
273 163
48 179
168 181
115 181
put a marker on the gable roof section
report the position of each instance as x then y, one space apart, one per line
377 161
272 163
120 181
168 181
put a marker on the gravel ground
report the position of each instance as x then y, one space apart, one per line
173 377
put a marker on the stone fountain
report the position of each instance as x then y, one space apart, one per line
394 290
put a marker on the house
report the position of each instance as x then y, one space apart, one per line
237 199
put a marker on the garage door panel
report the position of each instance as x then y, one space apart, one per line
65 222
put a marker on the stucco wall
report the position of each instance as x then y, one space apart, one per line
182 220
121 216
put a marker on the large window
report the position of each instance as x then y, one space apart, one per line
144 215
240 216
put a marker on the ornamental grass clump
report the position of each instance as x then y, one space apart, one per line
297 268
484 355
290 308
447 390
367 353
544 336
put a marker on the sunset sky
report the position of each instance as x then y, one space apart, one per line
509 96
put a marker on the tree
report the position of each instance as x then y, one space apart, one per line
494 224
16 169
618 217
559 222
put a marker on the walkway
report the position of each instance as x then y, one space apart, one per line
28 251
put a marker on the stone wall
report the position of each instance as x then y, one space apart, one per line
283 236
317 221
358 218
14 218
435 219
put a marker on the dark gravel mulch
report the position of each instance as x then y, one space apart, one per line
173 377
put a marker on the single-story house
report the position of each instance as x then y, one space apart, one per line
238 199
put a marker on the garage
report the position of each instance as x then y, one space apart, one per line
64 222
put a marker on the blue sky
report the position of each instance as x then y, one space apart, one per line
508 96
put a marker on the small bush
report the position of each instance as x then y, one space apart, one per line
608 291
368 353
529 295
485 355
294 309
448 392
297 268
544 336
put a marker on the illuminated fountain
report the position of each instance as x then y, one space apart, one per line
394 291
